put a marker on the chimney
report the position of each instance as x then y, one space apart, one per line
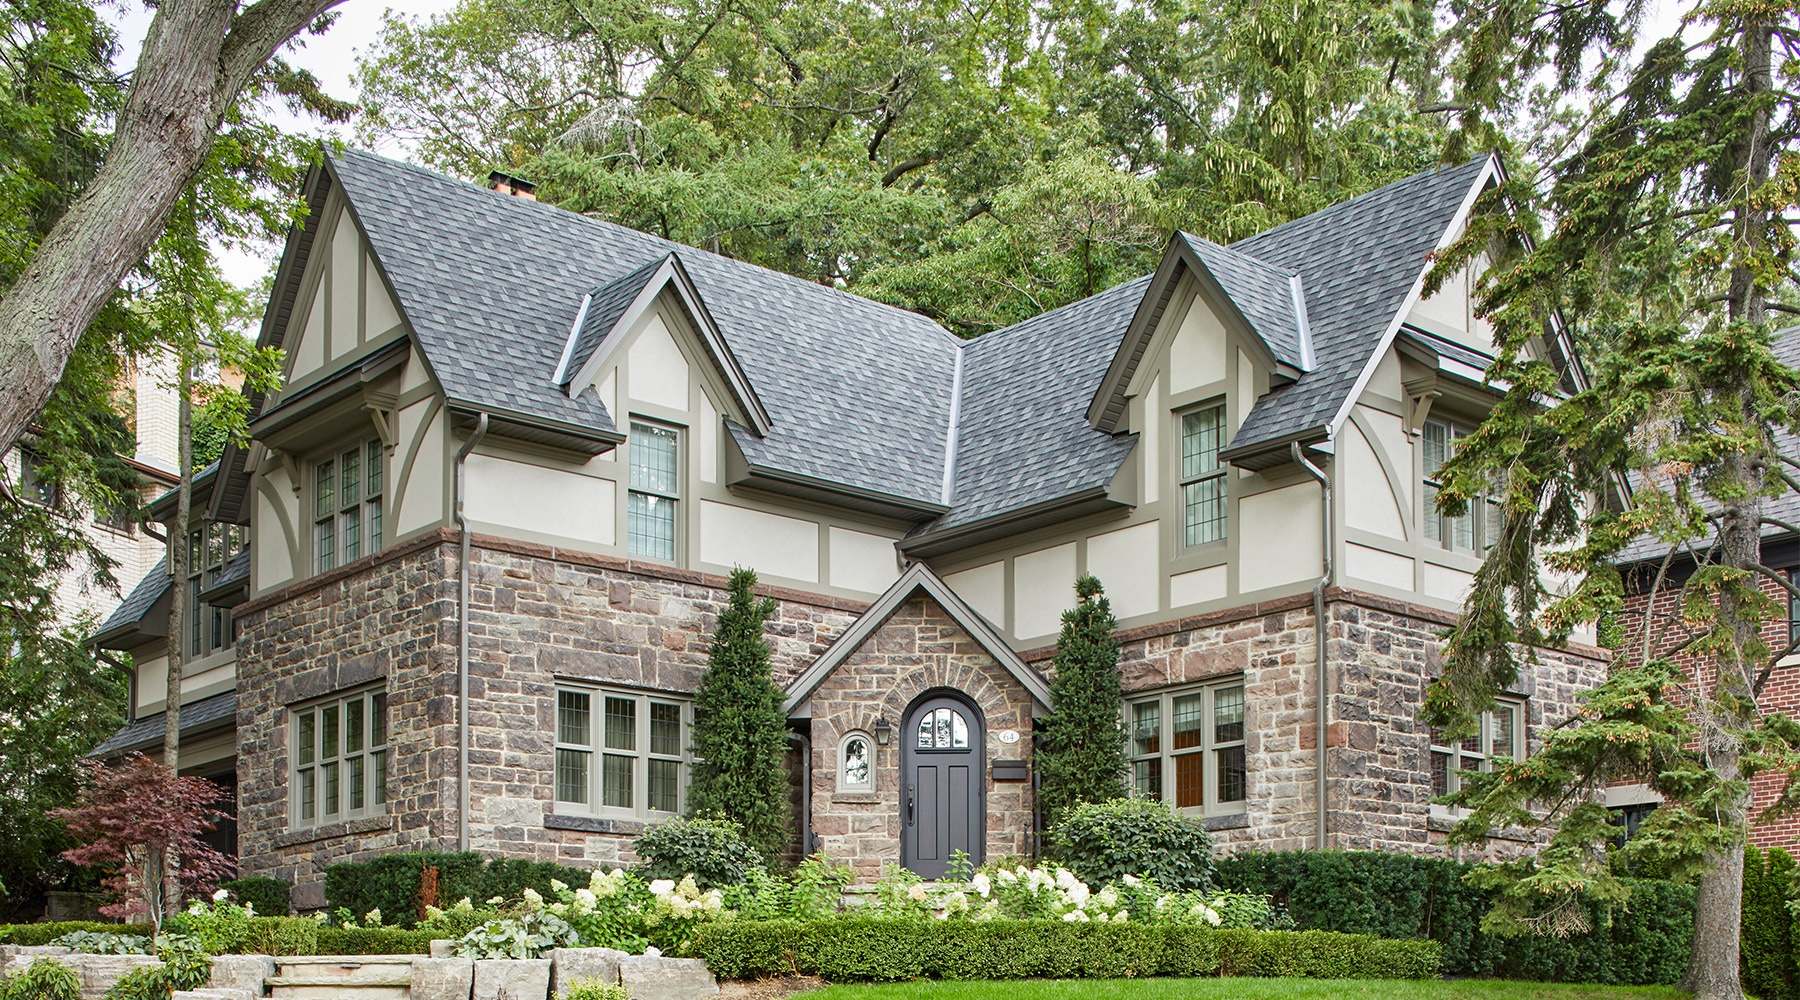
508 184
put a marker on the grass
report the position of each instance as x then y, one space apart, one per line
1240 989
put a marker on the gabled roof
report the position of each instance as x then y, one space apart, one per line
133 615
1363 261
917 579
1271 299
609 312
856 392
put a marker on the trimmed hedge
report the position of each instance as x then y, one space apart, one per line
391 883
40 934
372 941
268 896
1403 896
865 949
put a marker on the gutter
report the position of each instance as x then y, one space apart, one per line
1318 595
462 638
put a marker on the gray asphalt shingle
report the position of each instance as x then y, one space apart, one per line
131 611
606 307
207 713
1262 292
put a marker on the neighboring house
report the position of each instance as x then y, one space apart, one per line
617 421
116 533
1661 613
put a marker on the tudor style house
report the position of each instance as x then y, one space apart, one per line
489 518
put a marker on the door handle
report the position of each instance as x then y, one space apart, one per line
909 803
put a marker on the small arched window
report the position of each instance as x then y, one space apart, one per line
856 763
943 729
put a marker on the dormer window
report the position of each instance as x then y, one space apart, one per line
655 491
1202 475
347 487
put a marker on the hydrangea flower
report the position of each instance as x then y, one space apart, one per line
981 885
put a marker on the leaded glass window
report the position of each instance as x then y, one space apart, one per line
1200 765
641 741
1203 475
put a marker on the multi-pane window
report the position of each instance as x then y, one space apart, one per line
1202 475
1793 608
1467 531
340 759
1187 748
347 487
1501 734
209 627
655 490
621 753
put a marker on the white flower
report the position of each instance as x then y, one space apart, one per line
585 899
221 896
558 884
1132 880
1065 879
1122 915
916 893
662 887
1079 894
1107 898
1005 876
981 885
532 896
1075 917
653 952
249 909
496 900
1206 913
320 917
373 917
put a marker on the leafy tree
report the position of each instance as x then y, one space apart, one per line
740 729
1082 758
142 823
1669 250
158 131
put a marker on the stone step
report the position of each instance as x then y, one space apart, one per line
392 986
346 968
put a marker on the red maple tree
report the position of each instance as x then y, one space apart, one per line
143 822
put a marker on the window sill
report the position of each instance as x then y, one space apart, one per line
855 798
347 828
593 824
1229 821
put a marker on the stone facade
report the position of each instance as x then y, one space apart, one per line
1380 654
536 615
918 650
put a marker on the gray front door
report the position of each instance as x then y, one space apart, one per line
944 791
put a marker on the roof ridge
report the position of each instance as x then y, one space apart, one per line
1335 207
1283 270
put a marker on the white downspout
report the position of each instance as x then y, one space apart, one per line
462 640
1318 595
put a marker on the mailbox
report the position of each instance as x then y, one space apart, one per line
1011 770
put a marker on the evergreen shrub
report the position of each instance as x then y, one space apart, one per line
282 936
714 851
508 878
268 896
1645 942
740 726
42 980
862 949
1102 842
39 934
372 941
1767 948
1082 755
392 883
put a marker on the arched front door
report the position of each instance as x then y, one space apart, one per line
943 791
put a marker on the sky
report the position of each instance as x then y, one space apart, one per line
332 58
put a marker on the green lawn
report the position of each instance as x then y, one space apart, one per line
1239 989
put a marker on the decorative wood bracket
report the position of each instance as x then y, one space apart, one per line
381 407
1421 391
291 464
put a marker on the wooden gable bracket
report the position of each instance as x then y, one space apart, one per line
381 407
291 464
1420 392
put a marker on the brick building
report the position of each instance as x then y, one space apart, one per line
519 451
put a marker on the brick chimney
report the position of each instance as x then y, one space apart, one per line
508 184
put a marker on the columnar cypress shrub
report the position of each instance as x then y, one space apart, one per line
1767 950
740 730
1083 754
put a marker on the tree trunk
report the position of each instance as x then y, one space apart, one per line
1728 708
196 58
178 565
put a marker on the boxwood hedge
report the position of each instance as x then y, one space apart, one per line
864 949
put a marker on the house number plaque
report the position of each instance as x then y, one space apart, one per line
1009 736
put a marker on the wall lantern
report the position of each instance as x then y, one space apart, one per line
884 730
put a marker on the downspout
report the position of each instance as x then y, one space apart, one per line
1318 595
462 639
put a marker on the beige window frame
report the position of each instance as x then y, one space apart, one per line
345 492
1502 734
620 753
654 455
1467 533
1202 478
1187 747
340 759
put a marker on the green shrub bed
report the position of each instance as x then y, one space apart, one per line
861 949
1644 942
42 934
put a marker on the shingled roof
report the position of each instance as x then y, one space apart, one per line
128 618
860 394
205 715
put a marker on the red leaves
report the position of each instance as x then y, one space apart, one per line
133 819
